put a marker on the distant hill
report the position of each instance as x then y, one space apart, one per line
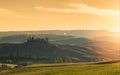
79 33
108 39
108 49
75 41
22 38
56 35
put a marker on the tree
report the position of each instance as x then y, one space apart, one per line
68 59
58 60
4 66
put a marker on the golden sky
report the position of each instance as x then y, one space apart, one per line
21 15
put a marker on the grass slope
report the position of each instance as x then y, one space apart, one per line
66 69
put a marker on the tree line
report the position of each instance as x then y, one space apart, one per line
22 56
67 59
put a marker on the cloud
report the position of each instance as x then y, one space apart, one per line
82 8
9 13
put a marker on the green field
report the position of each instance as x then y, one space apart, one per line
66 69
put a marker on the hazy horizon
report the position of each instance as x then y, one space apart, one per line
59 30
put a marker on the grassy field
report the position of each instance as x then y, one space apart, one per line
66 69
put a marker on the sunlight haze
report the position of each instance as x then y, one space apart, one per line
23 15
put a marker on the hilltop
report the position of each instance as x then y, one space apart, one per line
79 33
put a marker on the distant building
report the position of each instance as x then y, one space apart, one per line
33 39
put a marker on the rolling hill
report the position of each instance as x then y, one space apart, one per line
49 50
79 49
80 45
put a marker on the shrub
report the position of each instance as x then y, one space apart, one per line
4 67
68 59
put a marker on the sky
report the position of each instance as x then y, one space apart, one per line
23 15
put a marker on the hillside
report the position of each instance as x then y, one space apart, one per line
79 49
48 50
66 69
